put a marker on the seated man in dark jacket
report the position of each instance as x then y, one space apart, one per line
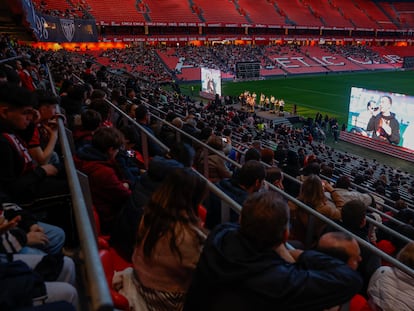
247 266
21 179
248 179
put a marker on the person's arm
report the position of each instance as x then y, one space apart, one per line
337 198
42 156
319 281
26 218
395 135
109 182
222 169
371 124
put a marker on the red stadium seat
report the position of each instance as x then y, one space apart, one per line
111 263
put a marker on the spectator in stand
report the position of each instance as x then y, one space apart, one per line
123 121
341 193
268 156
189 127
335 131
28 236
88 75
274 175
45 130
217 169
21 287
23 69
342 246
142 116
123 236
19 177
245 181
390 288
167 134
91 121
247 266
101 106
108 189
307 228
169 241
354 219
73 103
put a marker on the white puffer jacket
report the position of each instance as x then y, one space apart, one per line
391 289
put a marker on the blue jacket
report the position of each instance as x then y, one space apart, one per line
233 275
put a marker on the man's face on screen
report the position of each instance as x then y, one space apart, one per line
385 104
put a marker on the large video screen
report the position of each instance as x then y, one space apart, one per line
385 116
210 81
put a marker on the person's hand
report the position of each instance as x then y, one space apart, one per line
295 253
386 128
284 253
61 116
50 169
52 129
37 238
7 225
326 186
36 228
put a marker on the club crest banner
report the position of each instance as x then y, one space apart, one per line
68 28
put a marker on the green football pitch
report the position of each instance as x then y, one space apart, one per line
327 94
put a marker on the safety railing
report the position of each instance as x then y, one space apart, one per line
98 288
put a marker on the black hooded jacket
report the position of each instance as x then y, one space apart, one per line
233 274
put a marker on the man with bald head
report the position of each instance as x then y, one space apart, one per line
342 246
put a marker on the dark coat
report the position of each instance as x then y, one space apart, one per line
233 275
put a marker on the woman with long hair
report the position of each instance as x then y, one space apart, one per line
169 241
307 228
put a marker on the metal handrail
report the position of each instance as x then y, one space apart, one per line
10 59
361 241
99 291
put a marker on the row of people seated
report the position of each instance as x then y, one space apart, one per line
33 268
